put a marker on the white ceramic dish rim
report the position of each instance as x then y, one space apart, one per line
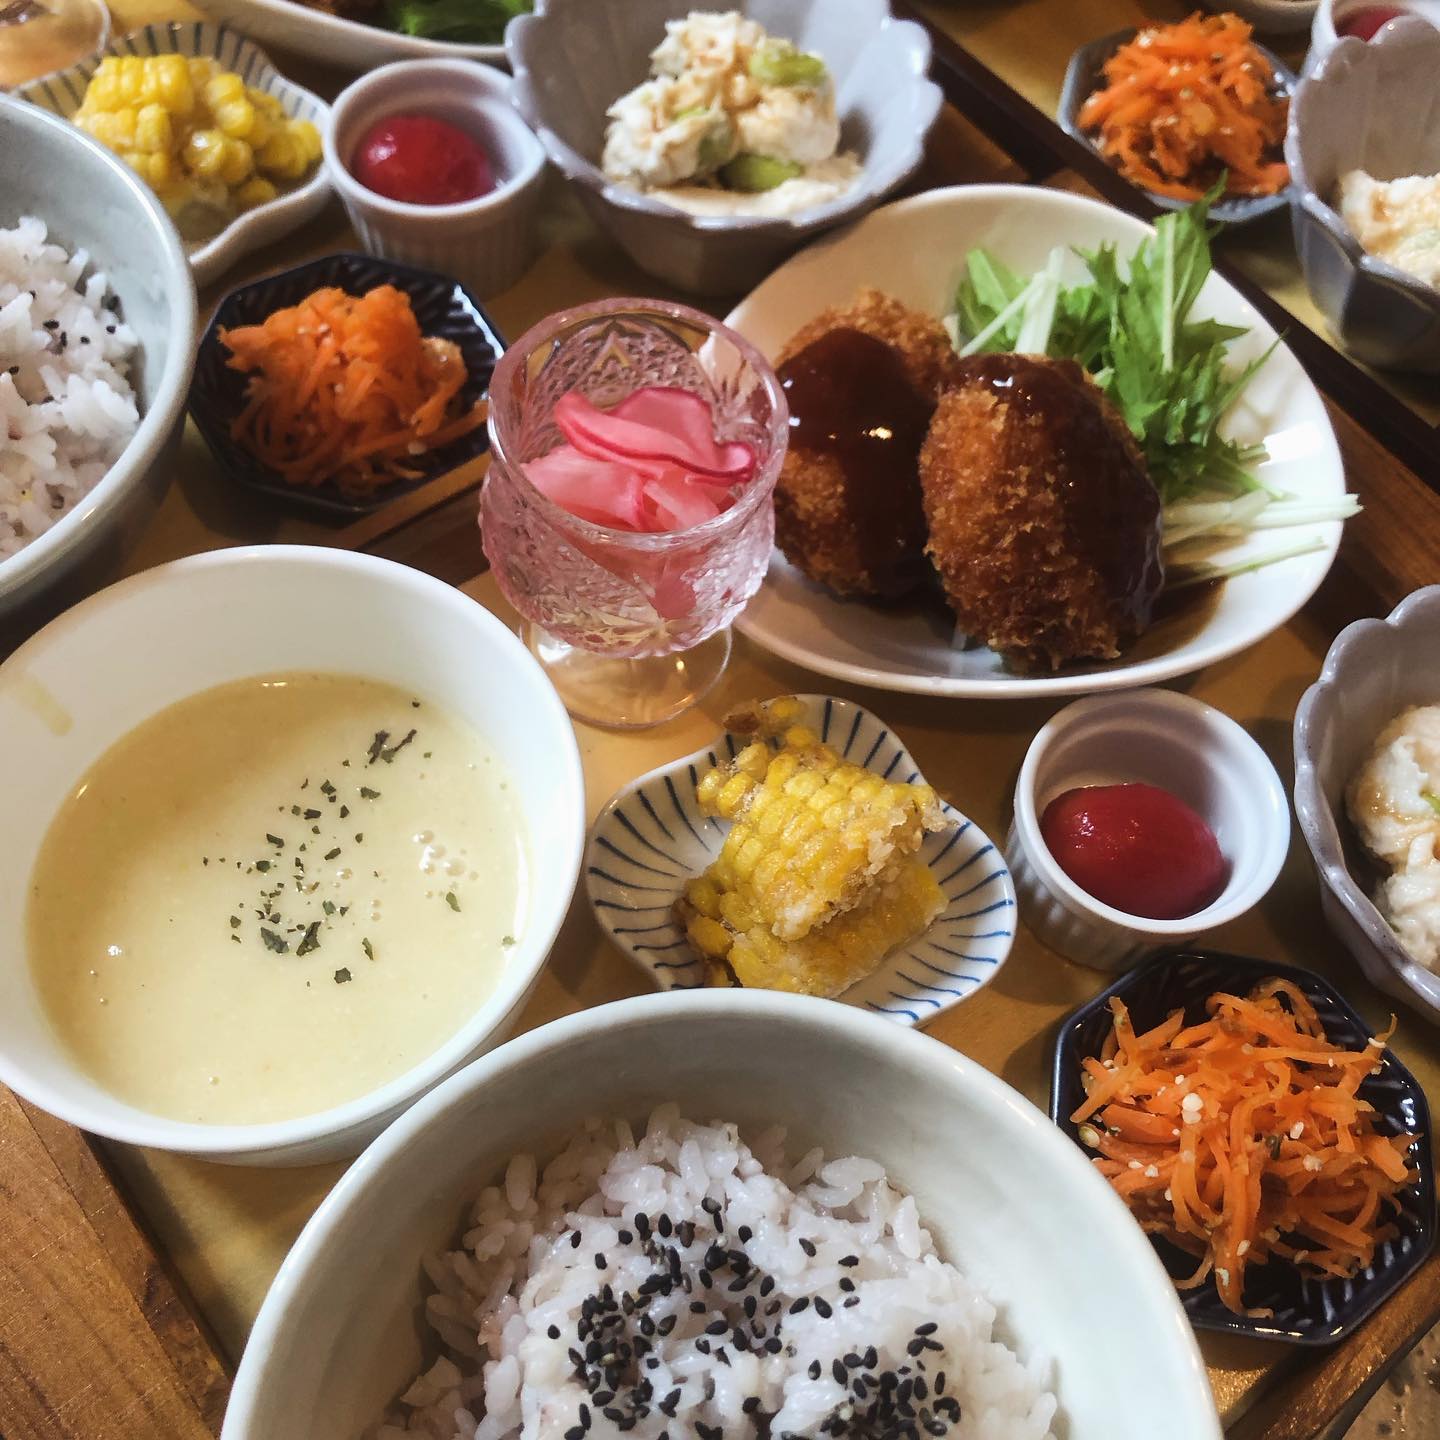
845 1023
700 758
169 401
215 255
325 27
1348 49
157 1131
859 196
495 89
1312 811
1122 675
1262 874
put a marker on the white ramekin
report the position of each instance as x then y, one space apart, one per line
486 244
1161 738
91 676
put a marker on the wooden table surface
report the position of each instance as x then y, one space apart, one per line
125 1360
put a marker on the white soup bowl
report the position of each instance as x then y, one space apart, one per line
123 655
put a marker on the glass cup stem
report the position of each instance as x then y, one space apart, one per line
628 694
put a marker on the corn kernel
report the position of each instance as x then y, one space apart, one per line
236 118
255 191
309 139
281 157
237 162
131 79
203 152
115 128
154 131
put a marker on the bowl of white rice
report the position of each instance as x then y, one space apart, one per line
722 1216
97 334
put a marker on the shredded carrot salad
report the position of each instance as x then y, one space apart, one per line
346 389
1242 1138
1183 103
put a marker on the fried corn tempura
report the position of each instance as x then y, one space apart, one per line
816 882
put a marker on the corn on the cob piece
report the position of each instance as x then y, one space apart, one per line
813 885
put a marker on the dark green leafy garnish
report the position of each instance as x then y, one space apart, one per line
278 943
470 22
331 854
368 948
275 840
329 907
507 940
366 793
262 865
342 976
451 901
310 940
234 922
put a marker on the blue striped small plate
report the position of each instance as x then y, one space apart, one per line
62 92
652 837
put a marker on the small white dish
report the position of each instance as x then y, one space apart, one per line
333 40
1330 13
486 244
113 661
652 837
1008 1197
63 92
1270 17
1162 738
915 250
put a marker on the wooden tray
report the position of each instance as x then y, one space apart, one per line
98 1340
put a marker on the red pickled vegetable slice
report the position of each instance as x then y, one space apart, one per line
608 435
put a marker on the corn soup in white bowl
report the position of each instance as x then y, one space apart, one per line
294 834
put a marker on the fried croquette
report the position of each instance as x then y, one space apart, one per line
1044 524
862 383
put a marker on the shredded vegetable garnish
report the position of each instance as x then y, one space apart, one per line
1243 1138
1166 370
346 389
1183 104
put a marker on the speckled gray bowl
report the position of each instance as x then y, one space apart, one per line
1084 75
573 58
89 198
1373 107
1375 669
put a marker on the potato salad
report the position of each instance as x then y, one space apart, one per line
732 121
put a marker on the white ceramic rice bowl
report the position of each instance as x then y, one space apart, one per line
102 668
1007 1197
90 199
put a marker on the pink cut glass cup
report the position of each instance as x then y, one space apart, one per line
632 628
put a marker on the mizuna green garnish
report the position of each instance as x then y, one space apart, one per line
1166 371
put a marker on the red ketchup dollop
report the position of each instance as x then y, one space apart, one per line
420 160
1137 848
1363 24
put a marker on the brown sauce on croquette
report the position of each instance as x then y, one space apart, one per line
1107 500
851 399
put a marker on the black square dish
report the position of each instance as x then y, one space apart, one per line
443 308
1308 1311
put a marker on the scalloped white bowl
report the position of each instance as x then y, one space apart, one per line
572 59
652 837
1374 670
62 92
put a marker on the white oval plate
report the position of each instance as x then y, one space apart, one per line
63 91
915 250
652 837
331 40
